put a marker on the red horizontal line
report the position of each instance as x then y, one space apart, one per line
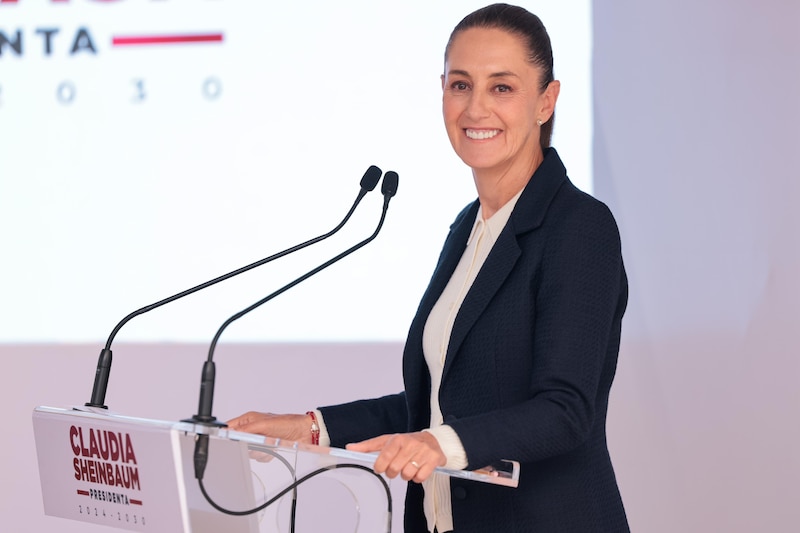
136 502
83 492
134 40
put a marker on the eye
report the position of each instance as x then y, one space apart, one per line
459 86
503 88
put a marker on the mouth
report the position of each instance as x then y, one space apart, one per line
481 135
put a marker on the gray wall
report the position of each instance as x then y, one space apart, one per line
696 151
163 382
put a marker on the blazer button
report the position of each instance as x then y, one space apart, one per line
459 493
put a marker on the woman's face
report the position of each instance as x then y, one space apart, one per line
491 101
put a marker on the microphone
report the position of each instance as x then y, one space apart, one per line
367 184
203 416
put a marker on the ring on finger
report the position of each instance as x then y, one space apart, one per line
415 464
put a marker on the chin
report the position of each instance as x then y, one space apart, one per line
477 163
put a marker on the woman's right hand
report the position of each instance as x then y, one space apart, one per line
290 427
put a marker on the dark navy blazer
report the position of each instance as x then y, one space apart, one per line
528 370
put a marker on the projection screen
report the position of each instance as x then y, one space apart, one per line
148 146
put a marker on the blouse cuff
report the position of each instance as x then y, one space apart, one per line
451 446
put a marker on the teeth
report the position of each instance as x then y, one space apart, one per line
481 134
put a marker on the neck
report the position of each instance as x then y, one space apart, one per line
497 186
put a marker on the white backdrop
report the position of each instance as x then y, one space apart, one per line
131 173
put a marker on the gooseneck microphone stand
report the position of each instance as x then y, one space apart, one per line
368 183
204 415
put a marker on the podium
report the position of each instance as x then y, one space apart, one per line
137 474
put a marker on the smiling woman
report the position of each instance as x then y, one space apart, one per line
514 346
494 110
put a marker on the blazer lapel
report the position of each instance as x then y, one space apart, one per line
493 273
528 214
415 370
451 254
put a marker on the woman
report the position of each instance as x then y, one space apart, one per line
514 345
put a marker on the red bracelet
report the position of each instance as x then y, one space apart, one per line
314 428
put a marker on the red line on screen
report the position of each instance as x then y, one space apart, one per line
137 40
83 492
136 502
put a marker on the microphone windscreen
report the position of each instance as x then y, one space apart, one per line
371 178
389 186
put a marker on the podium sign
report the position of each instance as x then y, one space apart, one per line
137 474
99 469
131 473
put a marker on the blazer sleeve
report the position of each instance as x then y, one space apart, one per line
364 419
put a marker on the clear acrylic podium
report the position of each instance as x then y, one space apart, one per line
137 474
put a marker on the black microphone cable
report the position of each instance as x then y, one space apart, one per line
293 487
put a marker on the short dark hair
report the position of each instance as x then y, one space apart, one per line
527 26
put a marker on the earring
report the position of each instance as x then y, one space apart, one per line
539 122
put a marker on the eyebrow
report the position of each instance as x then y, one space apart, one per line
502 74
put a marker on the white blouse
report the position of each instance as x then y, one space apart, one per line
436 339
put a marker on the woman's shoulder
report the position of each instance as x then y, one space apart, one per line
567 193
576 215
581 203
552 200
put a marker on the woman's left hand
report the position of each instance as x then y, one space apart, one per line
411 455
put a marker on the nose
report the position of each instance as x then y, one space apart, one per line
479 105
